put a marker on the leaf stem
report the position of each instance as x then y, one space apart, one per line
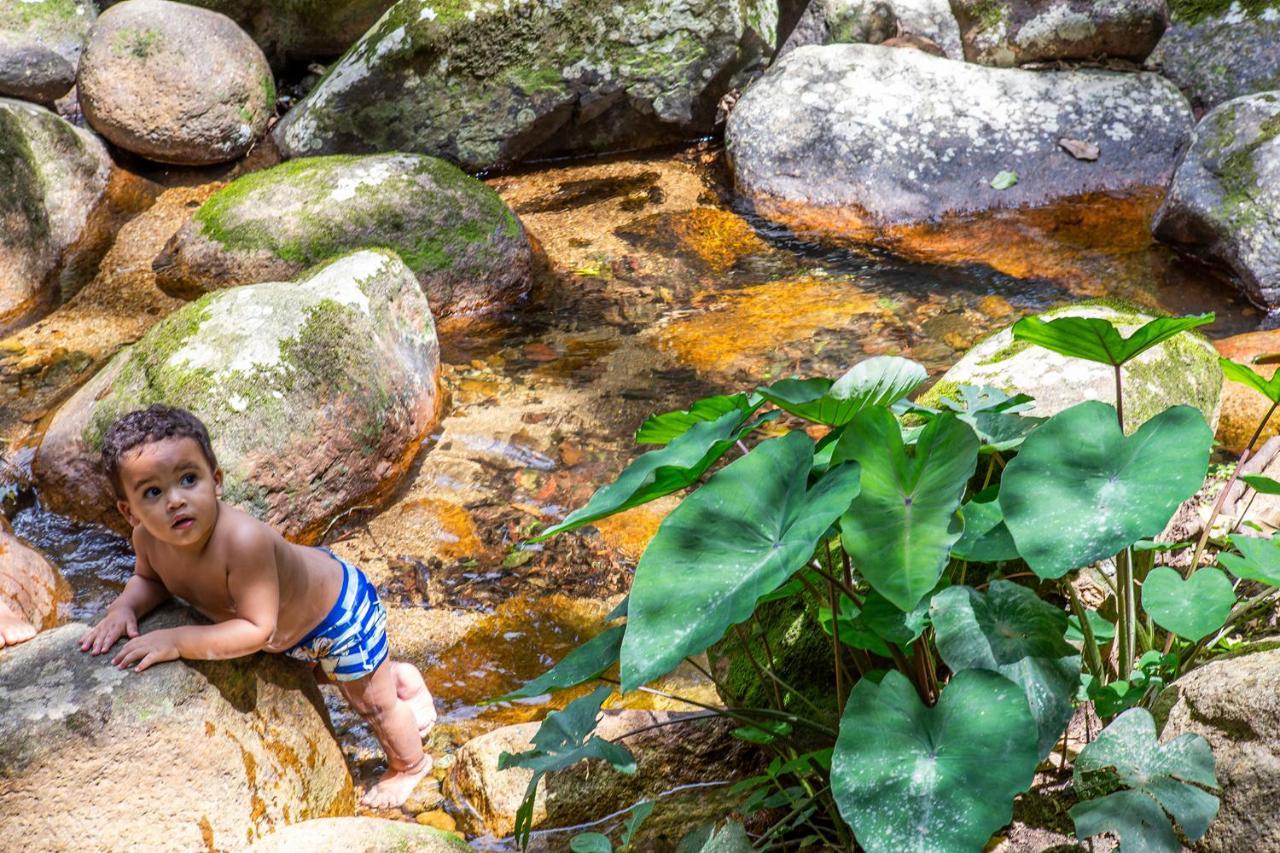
1119 400
764 676
1091 655
1126 631
1261 426
743 714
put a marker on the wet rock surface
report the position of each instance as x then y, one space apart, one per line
183 756
1243 408
175 83
319 390
1224 203
358 835
468 250
30 586
1221 50
40 44
1017 32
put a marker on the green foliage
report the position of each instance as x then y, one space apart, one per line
879 381
664 428
581 665
1193 608
1245 375
986 538
1095 339
1258 560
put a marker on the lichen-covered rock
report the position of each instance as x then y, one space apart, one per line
1243 408
1216 50
875 22
485 83
185 756
40 43
54 178
175 83
848 142
1234 705
1182 370
468 250
358 835
317 394
1224 203
1016 32
30 586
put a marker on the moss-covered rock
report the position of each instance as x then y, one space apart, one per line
54 180
1182 370
204 755
40 43
288 30
1224 203
485 83
1017 32
468 250
317 394
1216 50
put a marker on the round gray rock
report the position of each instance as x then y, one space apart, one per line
175 83
1016 32
468 250
1219 50
1224 203
185 756
358 835
40 43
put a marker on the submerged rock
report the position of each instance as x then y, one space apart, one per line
1216 50
1224 203
863 143
486 84
54 178
1243 408
40 43
175 83
1016 32
187 755
468 250
358 835
1182 370
317 394
30 586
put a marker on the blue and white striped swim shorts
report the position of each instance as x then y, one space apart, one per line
351 641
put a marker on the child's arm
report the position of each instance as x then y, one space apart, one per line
254 587
141 594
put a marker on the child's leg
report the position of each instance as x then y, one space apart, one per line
375 698
412 689
14 629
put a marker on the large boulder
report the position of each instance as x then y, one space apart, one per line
1234 705
900 22
187 755
468 250
40 43
317 394
175 83
54 178
1017 32
1224 203
1216 50
1243 408
358 835
864 143
488 84
1182 370
30 586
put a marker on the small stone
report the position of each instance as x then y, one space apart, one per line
995 307
425 797
438 820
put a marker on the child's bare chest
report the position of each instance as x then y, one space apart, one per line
203 586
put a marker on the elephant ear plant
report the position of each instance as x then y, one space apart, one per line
934 550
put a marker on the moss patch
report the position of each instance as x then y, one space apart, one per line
141 44
1195 11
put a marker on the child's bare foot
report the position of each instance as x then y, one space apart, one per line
395 786
411 689
14 629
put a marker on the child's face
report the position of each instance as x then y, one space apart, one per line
170 490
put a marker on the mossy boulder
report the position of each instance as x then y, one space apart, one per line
468 250
317 394
184 756
1182 370
1017 32
1216 50
40 43
175 83
54 180
487 84
359 835
1224 203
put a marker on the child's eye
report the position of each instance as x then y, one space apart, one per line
151 492
188 479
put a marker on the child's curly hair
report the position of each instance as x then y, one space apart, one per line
144 426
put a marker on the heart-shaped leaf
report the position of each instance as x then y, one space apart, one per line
1011 631
1193 609
742 535
579 666
986 539
1245 375
910 778
1258 560
900 529
1127 756
1095 339
664 428
878 381
1080 491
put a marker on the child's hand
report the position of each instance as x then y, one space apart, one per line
151 648
118 622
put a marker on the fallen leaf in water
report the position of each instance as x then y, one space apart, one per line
1079 148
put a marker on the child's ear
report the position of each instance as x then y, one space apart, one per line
123 506
217 482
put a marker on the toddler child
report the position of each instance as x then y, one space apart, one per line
261 592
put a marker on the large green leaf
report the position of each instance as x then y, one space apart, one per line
665 428
986 539
879 381
1245 375
1009 630
1096 339
1258 560
579 666
1127 756
912 779
1193 608
660 472
1079 490
994 415
900 529
739 537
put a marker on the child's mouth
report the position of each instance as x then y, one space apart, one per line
183 522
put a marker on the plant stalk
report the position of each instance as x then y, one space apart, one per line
1126 631
1261 426
1092 657
1119 400
764 676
